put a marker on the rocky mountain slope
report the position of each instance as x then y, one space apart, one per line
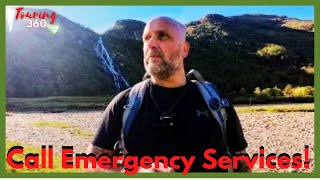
236 53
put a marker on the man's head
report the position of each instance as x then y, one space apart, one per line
164 47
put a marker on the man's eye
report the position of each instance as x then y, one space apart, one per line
146 38
162 36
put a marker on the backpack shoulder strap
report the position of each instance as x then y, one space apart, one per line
212 98
131 109
215 104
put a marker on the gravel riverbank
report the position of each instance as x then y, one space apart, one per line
278 132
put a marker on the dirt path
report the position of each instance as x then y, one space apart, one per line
277 132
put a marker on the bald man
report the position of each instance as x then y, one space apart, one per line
190 128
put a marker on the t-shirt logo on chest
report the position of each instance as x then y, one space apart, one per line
204 113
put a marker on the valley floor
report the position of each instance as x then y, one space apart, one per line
284 132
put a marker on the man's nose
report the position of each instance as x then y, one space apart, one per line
153 43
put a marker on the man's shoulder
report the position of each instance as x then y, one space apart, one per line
115 106
120 99
124 95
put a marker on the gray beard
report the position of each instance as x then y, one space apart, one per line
165 69
164 72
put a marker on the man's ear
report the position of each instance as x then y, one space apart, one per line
185 49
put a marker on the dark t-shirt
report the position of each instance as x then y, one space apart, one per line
191 130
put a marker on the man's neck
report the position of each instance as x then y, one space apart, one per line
176 80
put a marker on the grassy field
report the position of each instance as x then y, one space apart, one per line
76 131
57 104
63 103
275 108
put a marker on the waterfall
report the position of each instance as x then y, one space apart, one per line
109 66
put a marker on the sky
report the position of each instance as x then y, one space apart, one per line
102 18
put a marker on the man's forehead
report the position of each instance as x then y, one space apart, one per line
162 24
